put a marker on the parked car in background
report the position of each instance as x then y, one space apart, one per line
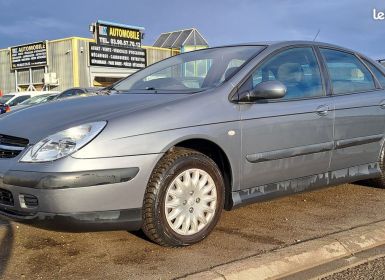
35 100
12 99
172 147
78 92
9 100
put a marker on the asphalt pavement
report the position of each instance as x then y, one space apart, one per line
372 270
31 253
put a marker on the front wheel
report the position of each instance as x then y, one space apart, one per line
184 198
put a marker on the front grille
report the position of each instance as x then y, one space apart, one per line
6 197
11 146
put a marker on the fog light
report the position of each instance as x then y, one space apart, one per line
28 201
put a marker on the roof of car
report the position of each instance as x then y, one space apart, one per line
289 42
87 89
93 89
18 93
22 93
286 43
279 44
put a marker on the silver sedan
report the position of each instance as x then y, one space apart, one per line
172 145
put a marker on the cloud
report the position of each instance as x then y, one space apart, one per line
34 28
344 22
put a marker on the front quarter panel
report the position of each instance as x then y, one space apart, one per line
208 115
161 142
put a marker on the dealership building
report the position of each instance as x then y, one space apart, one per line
114 52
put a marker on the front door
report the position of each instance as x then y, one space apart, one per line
289 138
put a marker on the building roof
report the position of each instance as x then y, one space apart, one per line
121 25
180 38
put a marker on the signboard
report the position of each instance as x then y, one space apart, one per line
108 56
31 55
117 36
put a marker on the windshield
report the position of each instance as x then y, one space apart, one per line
5 98
35 100
51 97
189 72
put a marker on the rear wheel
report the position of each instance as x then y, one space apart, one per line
184 198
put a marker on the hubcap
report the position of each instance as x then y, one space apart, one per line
190 202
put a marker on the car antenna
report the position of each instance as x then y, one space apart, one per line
319 30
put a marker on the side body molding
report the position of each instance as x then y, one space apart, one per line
292 152
311 149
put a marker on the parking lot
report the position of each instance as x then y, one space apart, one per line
27 252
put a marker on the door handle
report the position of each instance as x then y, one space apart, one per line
322 110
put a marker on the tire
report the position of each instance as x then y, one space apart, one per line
380 181
169 189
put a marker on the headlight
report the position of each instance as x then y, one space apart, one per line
63 143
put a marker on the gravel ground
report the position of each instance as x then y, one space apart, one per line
373 270
31 253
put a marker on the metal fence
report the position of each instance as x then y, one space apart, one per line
155 54
7 77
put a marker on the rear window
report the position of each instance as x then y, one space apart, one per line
379 75
5 98
70 92
347 73
35 100
18 100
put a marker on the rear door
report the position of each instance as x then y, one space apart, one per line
288 138
359 110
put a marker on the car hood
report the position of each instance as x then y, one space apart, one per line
37 122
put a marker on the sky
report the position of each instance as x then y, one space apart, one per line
348 23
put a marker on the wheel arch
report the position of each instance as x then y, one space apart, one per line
218 155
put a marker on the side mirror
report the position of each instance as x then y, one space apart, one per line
264 90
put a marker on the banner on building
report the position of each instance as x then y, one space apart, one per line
108 56
27 56
118 36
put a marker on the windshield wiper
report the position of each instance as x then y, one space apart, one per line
108 90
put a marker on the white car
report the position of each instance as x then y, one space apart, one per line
14 98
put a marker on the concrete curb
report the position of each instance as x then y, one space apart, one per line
299 257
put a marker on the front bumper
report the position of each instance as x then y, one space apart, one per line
127 219
66 196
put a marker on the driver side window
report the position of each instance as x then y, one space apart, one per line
296 68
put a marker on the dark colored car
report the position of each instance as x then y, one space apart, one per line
33 101
9 100
78 91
